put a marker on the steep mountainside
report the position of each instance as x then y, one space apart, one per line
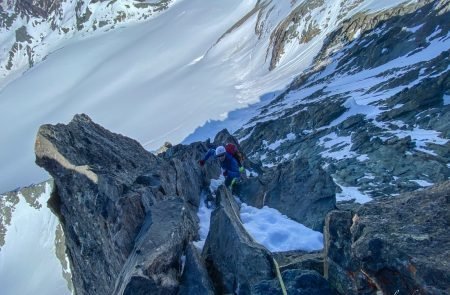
235 53
30 30
365 117
32 243
373 109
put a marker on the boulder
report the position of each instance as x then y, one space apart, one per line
154 264
399 244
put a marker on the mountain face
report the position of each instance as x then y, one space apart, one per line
365 117
373 108
129 222
32 243
235 53
30 30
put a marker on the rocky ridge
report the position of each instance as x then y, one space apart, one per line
129 221
138 213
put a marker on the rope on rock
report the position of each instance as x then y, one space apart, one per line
275 263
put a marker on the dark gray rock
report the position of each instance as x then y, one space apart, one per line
195 278
112 197
339 270
234 260
394 244
193 178
301 190
155 262
300 260
141 286
304 192
297 282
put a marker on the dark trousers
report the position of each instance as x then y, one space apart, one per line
228 181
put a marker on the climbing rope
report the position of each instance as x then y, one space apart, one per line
280 279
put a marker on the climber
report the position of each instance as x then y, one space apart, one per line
230 166
232 150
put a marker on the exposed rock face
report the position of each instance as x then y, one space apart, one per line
195 279
154 263
301 190
386 131
41 8
235 261
395 244
298 282
117 203
287 30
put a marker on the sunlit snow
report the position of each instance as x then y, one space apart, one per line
204 215
145 81
351 193
422 183
277 232
267 226
28 263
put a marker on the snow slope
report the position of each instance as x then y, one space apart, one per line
28 262
144 81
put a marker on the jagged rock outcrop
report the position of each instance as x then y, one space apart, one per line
399 245
129 215
234 260
125 222
129 219
154 264
31 8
